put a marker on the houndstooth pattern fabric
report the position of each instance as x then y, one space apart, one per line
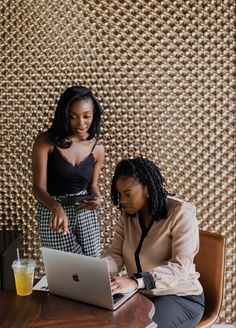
84 236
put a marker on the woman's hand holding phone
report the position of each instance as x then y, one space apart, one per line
90 204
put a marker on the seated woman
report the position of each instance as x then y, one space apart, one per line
156 239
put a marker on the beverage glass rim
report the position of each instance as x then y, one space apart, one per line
24 263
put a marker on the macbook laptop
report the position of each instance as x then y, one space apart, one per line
82 278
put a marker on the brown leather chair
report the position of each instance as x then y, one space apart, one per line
210 263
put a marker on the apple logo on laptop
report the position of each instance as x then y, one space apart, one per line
75 277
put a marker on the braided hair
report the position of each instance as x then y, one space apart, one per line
147 174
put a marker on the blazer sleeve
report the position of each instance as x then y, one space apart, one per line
179 272
114 253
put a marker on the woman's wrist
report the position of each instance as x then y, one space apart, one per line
137 277
55 206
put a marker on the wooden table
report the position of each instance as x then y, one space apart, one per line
42 310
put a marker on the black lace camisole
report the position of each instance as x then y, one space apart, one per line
65 178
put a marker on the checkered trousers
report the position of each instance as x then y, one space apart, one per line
84 237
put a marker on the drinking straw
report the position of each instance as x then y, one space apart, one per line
18 254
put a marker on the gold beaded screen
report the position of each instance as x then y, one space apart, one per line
164 72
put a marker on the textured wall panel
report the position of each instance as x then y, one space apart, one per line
165 74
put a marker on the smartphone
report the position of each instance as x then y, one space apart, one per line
71 200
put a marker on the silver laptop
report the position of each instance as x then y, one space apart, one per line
82 278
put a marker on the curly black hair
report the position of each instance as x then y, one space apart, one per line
148 174
60 128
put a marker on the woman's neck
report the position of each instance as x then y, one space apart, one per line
145 217
76 138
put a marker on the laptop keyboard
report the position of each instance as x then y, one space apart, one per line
117 297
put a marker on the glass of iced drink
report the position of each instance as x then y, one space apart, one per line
24 276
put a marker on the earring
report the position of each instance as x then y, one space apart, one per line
147 196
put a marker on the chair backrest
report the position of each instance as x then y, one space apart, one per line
210 263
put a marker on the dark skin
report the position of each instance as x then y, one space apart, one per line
132 199
80 119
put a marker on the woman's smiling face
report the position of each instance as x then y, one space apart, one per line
132 195
81 117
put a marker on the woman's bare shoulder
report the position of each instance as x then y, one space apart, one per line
99 147
43 140
99 151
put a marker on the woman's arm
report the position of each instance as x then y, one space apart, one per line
114 253
41 149
178 275
114 257
99 154
93 187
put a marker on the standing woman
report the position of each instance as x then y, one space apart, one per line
67 160
156 239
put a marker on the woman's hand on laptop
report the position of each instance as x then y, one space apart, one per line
123 285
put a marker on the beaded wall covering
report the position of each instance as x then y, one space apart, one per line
164 72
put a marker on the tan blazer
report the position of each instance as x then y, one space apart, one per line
167 251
